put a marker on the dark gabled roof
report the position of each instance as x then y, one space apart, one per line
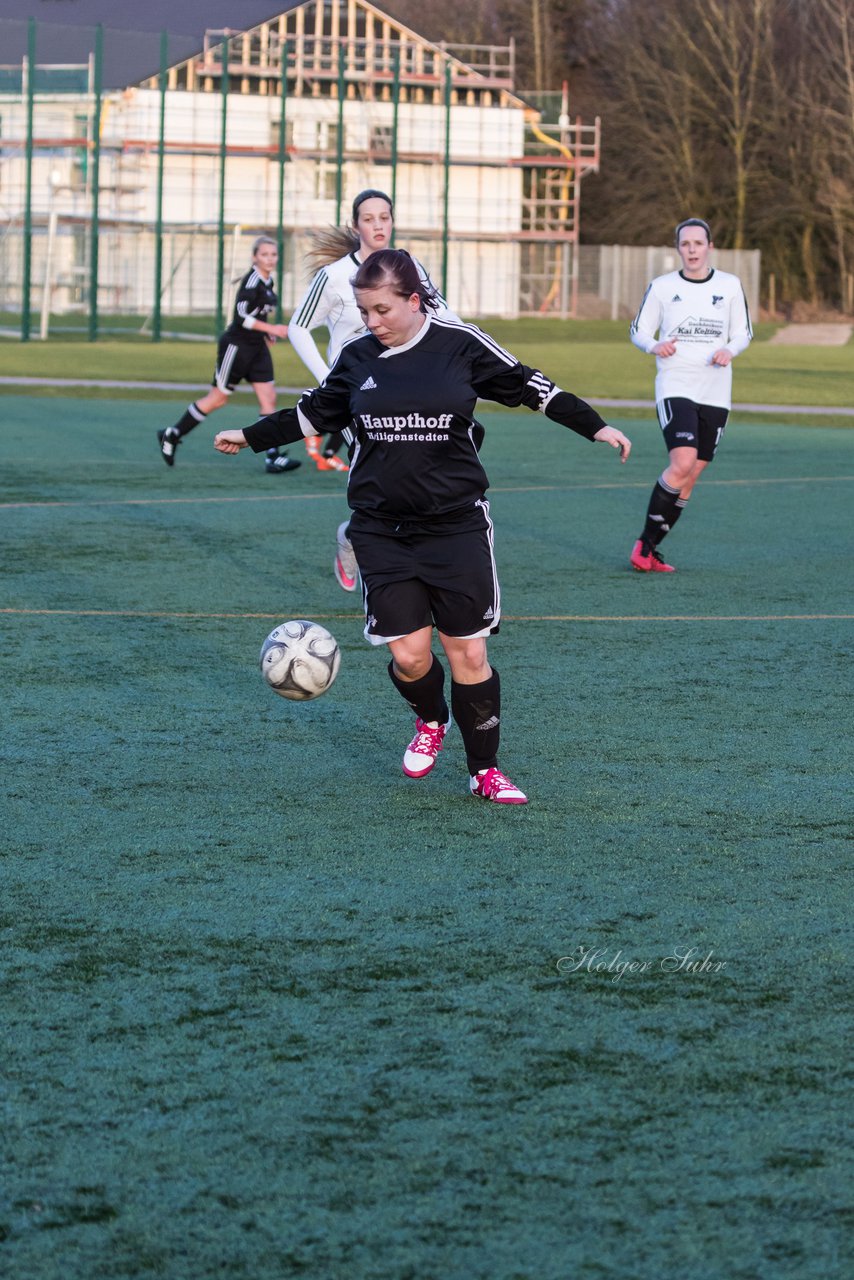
65 31
183 17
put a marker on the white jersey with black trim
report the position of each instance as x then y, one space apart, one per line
329 301
700 316
411 413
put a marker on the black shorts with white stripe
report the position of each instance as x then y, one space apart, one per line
688 425
237 360
414 577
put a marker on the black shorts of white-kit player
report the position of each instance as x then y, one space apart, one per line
414 577
686 424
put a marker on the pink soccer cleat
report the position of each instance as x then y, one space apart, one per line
346 565
641 557
492 784
658 564
648 559
420 755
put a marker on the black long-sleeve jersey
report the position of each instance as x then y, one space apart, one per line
410 411
256 300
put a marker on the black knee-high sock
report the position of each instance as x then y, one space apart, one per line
333 444
426 696
678 507
477 711
661 513
191 418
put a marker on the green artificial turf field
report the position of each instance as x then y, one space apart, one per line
273 1010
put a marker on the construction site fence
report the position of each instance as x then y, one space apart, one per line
144 203
539 278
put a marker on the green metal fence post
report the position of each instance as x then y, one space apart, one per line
339 160
447 190
395 119
161 149
95 171
280 233
26 285
220 267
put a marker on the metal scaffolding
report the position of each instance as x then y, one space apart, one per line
114 197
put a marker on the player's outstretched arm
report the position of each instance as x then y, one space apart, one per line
230 441
271 331
616 439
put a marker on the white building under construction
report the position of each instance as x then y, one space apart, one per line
148 186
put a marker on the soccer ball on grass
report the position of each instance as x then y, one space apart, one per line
300 660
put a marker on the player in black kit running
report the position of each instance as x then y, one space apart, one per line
420 524
243 352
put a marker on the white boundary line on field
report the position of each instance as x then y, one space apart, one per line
359 618
313 497
111 384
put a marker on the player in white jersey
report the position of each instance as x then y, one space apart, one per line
700 316
329 301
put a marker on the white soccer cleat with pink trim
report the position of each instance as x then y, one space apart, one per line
492 784
420 755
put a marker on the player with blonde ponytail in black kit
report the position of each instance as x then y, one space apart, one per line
243 352
406 392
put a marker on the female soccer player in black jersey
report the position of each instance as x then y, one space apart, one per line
329 300
243 352
420 522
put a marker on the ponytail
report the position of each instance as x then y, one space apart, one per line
330 244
